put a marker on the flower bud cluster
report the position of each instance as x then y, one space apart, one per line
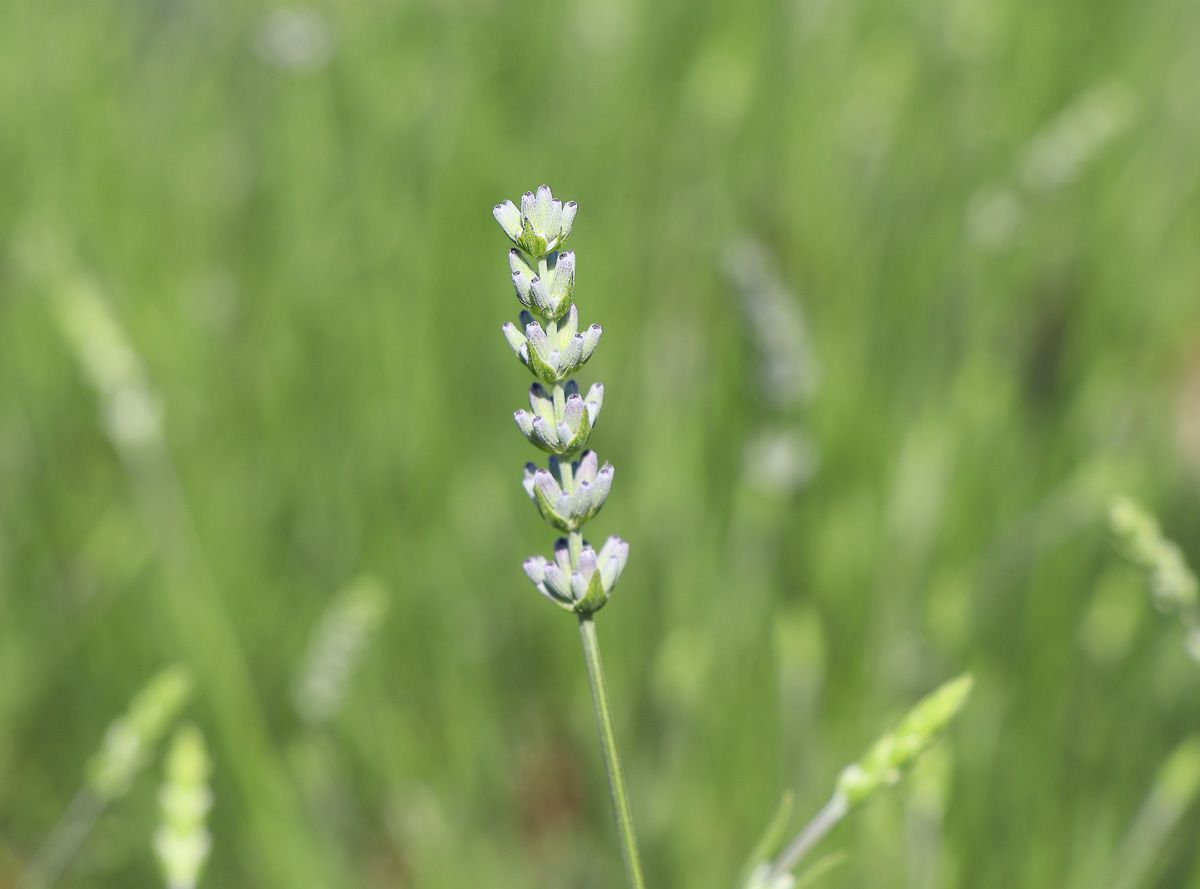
182 842
132 738
1137 533
895 753
550 341
1173 585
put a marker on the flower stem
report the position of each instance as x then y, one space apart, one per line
64 841
612 759
823 822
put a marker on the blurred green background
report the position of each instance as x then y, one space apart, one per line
250 292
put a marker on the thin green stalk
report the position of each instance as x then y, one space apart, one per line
612 759
64 841
823 822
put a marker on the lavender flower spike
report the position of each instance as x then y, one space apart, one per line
548 339
573 486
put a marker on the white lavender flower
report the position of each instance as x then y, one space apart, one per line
555 351
549 293
560 418
541 225
560 422
568 498
585 586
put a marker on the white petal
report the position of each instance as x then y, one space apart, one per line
591 338
548 487
564 277
573 415
535 567
608 550
558 582
542 208
582 500
544 432
540 402
554 221
579 585
521 276
572 355
594 401
587 561
515 339
540 296
568 220
587 466
612 561
569 325
562 554
537 340
509 218
604 480
527 203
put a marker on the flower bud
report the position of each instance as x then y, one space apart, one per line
894 753
541 225
583 587
522 276
552 297
560 423
568 510
555 351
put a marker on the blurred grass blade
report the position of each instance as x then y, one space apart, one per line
771 839
128 744
1174 791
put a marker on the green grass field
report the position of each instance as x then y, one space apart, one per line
250 299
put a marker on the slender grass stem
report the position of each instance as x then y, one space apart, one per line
612 759
823 822
64 841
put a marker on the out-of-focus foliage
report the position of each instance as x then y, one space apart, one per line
250 299
181 842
